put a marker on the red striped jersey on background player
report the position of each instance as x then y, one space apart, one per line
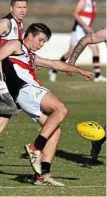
16 30
87 14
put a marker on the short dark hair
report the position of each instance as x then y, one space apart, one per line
36 28
14 1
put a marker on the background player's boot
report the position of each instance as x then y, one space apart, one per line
52 75
100 79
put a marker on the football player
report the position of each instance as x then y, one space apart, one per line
37 101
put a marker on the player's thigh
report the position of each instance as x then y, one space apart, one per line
37 100
50 103
29 99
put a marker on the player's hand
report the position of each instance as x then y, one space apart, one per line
88 74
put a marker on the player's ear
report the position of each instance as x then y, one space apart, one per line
30 36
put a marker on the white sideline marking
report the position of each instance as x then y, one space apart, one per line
34 187
78 87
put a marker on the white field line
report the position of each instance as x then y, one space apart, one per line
78 87
34 187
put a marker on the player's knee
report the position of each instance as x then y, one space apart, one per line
63 111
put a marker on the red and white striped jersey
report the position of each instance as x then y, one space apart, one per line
16 30
88 13
19 71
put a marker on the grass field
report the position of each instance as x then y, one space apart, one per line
72 164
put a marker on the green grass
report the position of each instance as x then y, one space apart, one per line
86 101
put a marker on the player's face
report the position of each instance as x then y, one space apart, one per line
38 41
19 10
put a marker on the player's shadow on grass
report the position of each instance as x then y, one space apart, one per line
16 165
78 158
19 177
1 150
29 178
24 156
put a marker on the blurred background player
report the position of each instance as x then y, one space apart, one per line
84 15
92 38
11 27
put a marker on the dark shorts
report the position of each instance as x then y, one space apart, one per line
7 106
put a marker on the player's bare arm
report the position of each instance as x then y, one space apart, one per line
4 26
92 38
54 64
99 36
61 66
10 47
76 52
79 48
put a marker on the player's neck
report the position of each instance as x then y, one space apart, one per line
18 20
27 44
